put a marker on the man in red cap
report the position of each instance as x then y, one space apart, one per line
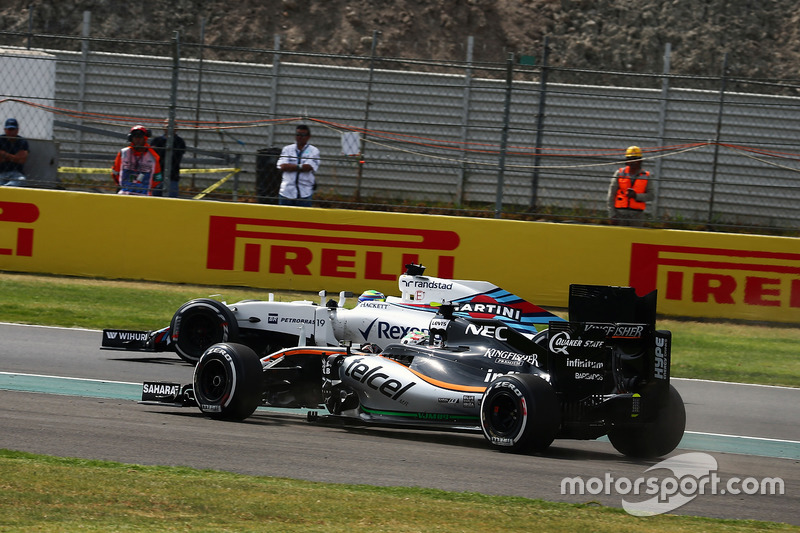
137 169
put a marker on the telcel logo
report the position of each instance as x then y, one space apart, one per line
18 213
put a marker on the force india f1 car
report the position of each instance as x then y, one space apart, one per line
604 372
267 326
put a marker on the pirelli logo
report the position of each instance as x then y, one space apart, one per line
325 249
15 216
717 275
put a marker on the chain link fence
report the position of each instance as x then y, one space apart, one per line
508 139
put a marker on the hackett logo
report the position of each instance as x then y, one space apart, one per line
19 213
717 275
284 244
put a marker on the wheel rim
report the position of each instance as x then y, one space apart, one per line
213 381
201 332
505 415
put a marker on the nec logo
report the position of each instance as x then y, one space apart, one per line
337 248
19 213
717 275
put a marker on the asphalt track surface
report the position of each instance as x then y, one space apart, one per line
751 431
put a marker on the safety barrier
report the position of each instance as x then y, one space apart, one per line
699 274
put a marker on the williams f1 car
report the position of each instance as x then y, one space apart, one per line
267 326
604 372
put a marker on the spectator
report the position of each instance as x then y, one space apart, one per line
13 154
159 144
299 162
136 168
627 192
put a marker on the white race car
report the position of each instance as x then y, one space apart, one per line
268 326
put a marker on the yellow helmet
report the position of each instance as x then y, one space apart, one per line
633 152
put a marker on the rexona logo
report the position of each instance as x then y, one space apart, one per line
719 277
379 329
324 249
13 215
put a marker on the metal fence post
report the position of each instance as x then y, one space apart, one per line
662 126
30 25
465 104
199 89
498 205
166 168
375 34
85 30
539 126
723 80
273 95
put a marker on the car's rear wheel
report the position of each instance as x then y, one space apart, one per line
228 381
657 438
520 413
200 323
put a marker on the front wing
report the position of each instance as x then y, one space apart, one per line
137 341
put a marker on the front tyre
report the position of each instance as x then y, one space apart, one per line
228 381
200 323
657 438
520 413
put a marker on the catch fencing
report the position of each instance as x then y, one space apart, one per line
501 139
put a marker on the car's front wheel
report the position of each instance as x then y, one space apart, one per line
228 381
520 413
200 323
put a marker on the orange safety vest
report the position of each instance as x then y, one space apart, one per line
624 182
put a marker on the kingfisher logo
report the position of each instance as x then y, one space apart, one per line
746 279
16 214
339 250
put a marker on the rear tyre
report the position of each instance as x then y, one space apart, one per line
228 381
200 323
520 413
656 439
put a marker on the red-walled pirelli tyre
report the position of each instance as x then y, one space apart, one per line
228 381
198 324
656 439
520 413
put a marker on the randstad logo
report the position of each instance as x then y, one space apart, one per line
692 474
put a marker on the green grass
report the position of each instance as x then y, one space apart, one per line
47 494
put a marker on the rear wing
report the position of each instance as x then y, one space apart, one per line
603 303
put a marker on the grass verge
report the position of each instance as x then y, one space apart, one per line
48 494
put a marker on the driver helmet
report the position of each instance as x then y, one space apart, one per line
372 296
415 337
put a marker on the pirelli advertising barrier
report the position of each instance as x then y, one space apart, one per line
213 243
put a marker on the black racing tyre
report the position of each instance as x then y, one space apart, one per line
656 439
228 381
520 413
198 324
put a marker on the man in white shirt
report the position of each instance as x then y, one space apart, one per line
299 162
